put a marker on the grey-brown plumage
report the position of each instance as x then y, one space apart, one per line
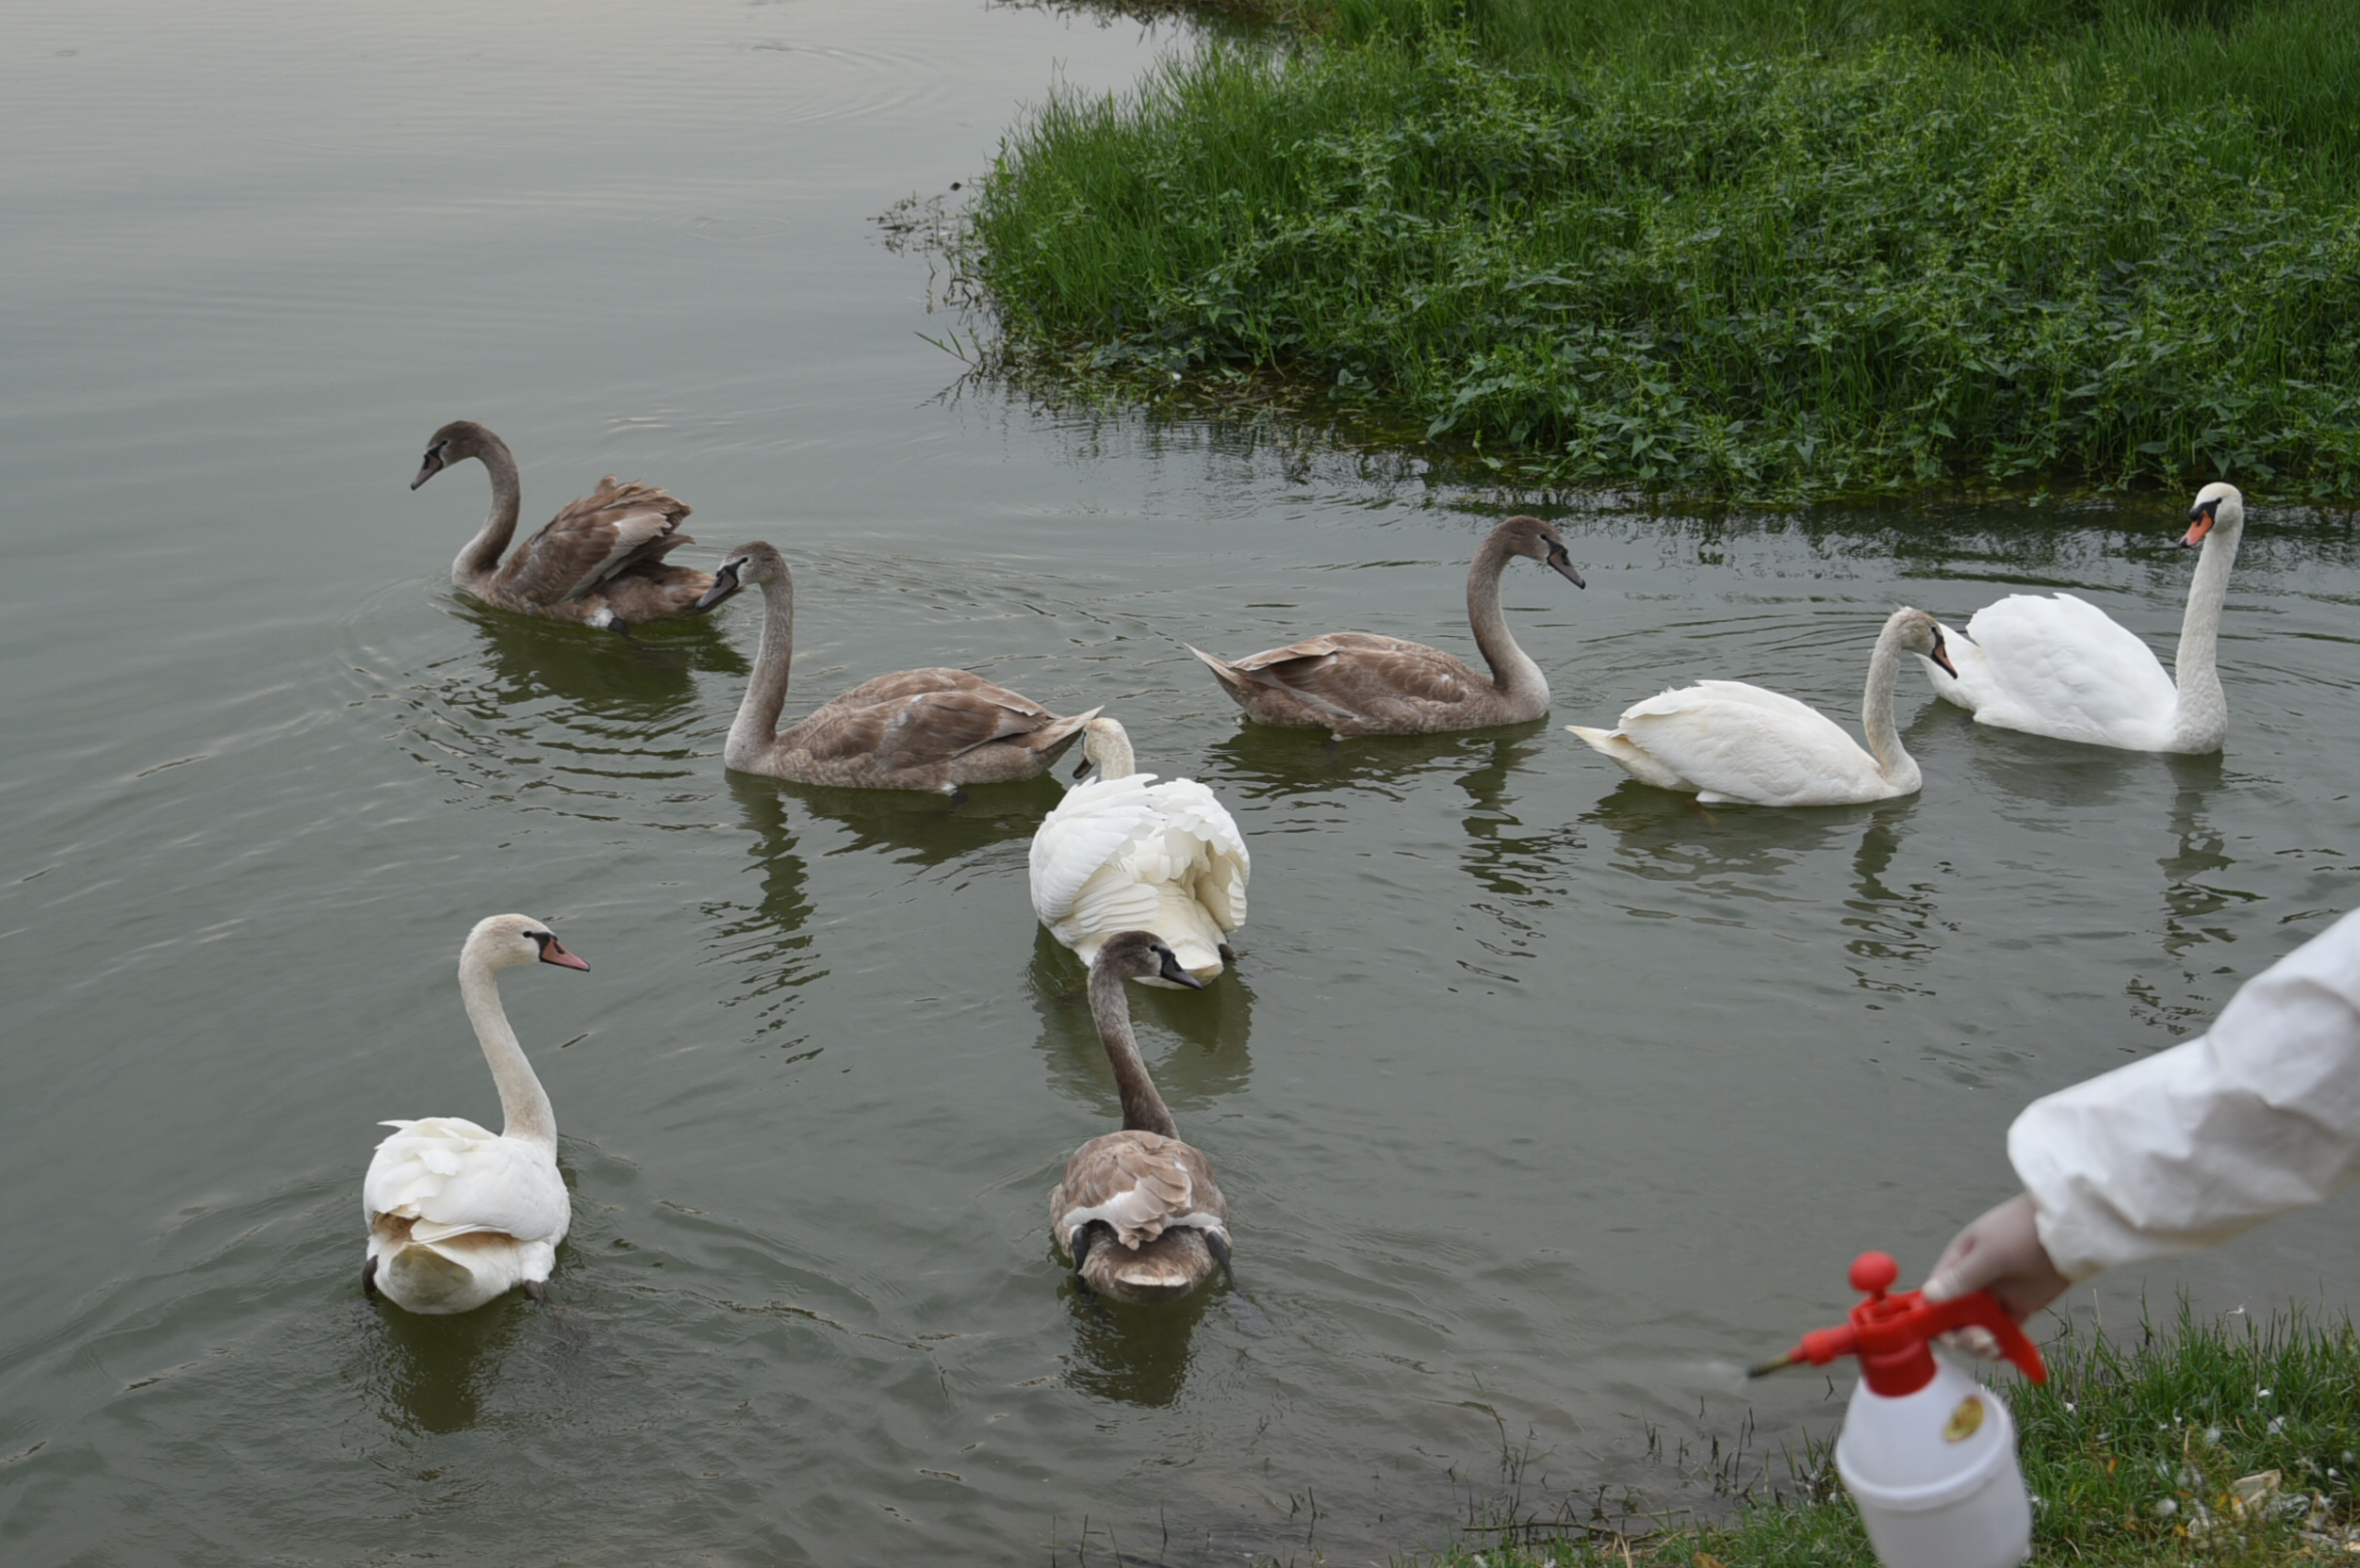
601 560
1139 1213
914 729
1359 683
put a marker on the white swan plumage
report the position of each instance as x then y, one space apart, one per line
458 1215
1730 742
2060 666
1123 853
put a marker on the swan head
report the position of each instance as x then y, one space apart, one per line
749 566
1916 632
504 942
2218 505
454 443
1104 743
1536 541
1142 956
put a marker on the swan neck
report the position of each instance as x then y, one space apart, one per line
2201 706
522 1100
481 553
1143 1109
757 721
1112 756
1884 740
1511 669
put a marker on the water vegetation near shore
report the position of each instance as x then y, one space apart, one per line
2226 1443
1749 249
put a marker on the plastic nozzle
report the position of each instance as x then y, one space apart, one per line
1893 1335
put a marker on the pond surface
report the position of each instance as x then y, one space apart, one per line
1543 1099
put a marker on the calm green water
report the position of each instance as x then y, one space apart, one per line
1542 1099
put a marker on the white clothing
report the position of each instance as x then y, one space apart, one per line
2258 1117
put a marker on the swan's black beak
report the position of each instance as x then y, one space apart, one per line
1941 657
427 470
1172 970
1083 769
725 583
2203 516
1563 565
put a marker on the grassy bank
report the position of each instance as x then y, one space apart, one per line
1737 249
2223 1444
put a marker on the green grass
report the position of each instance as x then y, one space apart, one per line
1756 249
2132 1448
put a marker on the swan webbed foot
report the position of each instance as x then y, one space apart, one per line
369 1269
958 794
539 1292
1080 1245
1228 953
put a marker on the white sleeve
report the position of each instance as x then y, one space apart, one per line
2258 1117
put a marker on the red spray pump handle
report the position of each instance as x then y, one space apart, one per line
1892 1334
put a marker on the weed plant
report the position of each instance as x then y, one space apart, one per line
2134 1451
1743 248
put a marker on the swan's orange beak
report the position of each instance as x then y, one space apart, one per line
2203 517
1941 657
554 952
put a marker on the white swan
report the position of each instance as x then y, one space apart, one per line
1728 740
1123 854
2059 666
457 1215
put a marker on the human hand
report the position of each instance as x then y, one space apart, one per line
2000 1252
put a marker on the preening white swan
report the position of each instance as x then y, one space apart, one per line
2059 666
1358 683
1138 1212
599 560
914 729
459 1215
1730 741
1123 854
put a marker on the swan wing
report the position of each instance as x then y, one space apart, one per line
1203 850
1362 675
1739 742
457 1179
1090 826
1140 1183
612 529
2059 665
919 728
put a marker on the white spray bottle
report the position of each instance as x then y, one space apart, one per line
1927 1453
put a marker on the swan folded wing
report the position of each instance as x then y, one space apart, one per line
935 726
1208 851
457 1179
1090 826
613 529
1739 740
1140 1184
1359 672
2068 660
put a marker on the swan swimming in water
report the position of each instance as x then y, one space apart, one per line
914 729
1138 1211
1358 683
601 560
459 1215
2060 666
1123 853
1733 741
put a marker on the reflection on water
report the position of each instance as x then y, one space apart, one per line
1137 1355
2200 850
1214 1027
433 1374
769 940
919 829
641 681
